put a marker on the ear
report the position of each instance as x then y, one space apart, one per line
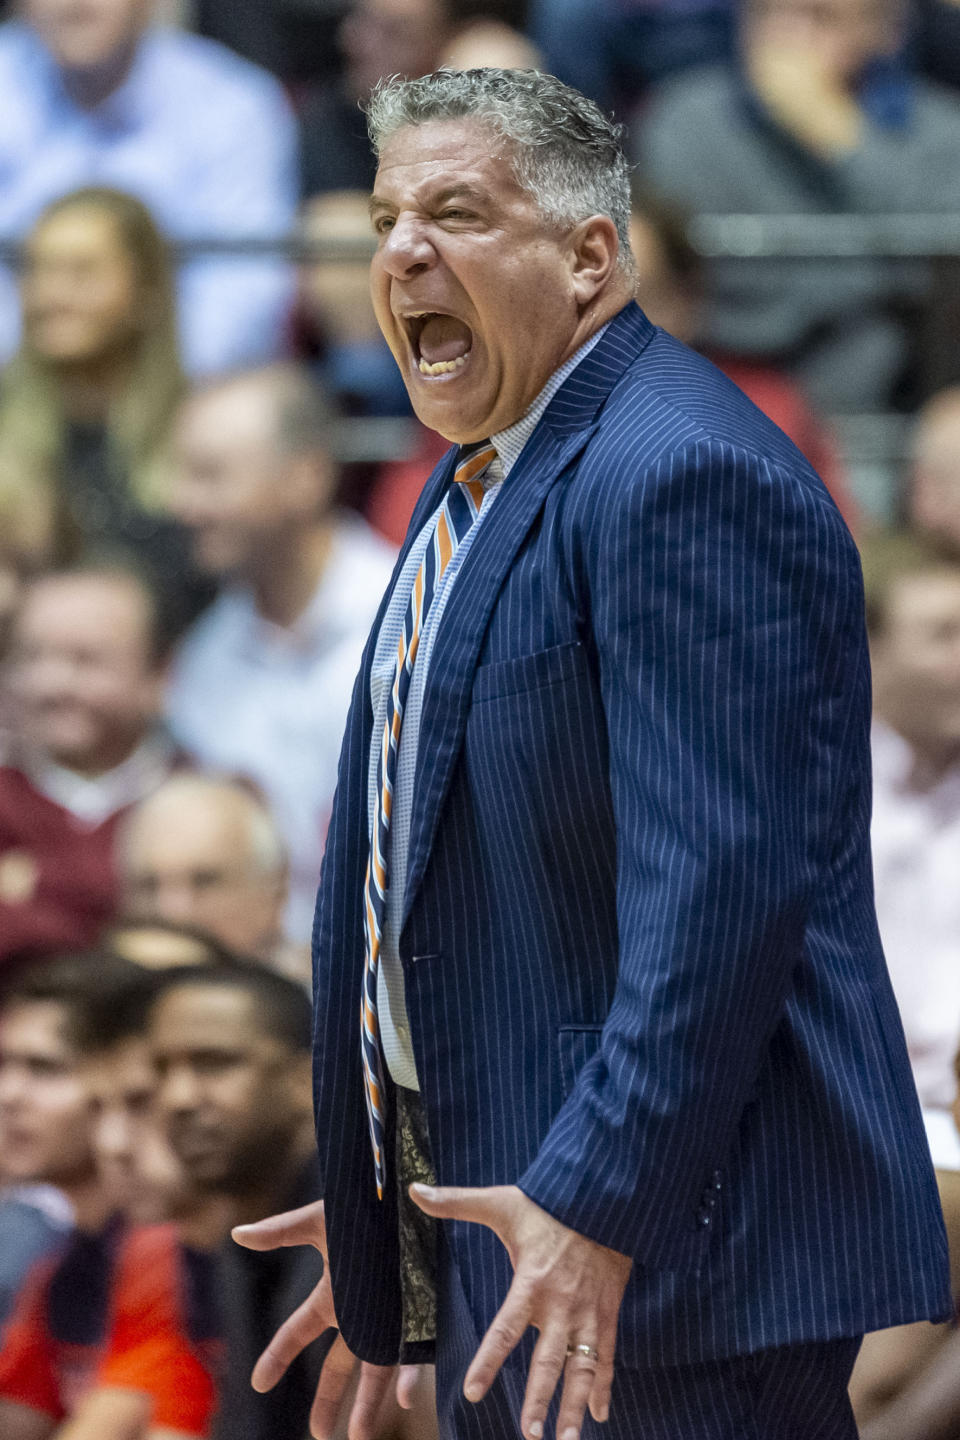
594 246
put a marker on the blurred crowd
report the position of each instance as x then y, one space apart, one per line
207 463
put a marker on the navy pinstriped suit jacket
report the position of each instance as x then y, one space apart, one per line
642 966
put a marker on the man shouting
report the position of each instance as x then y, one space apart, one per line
597 970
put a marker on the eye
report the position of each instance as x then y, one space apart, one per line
382 224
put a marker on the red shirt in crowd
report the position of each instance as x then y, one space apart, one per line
114 1310
58 886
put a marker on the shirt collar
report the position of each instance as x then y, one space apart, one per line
509 443
95 800
330 613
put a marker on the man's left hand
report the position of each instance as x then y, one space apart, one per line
566 1286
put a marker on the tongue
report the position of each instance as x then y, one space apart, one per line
444 338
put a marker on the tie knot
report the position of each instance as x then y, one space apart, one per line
473 461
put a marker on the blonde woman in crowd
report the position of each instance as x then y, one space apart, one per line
85 405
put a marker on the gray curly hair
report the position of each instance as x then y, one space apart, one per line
566 153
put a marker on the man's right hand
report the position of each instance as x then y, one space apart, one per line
306 1226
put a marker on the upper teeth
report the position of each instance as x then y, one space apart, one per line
442 367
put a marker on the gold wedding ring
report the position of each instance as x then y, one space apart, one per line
586 1350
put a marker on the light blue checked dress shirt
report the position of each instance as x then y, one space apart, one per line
391 1001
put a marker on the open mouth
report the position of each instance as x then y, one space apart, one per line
441 343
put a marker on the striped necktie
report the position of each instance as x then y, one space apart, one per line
457 515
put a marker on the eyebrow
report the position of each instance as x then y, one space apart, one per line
458 191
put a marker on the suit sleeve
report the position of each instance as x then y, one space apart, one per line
726 609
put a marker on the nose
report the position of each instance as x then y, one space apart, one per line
174 900
178 1091
113 1137
406 249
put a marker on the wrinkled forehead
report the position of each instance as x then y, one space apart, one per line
467 148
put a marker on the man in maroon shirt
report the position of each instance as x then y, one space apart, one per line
87 669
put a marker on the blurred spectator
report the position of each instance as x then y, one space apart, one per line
935 39
55 1023
45 1128
613 50
906 1383
262 683
86 682
232 1047
30 1228
395 37
486 41
913 613
377 37
933 498
293 38
913 610
161 1352
28 543
911 1388
95 93
87 404
670 289
355 364
71 1054
818 116
204 852
44 1136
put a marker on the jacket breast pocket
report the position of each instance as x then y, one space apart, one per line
578 1043
529 672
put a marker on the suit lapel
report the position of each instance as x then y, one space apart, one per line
430 497
459 638
563 432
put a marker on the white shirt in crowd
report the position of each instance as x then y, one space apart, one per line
270 703
916 862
